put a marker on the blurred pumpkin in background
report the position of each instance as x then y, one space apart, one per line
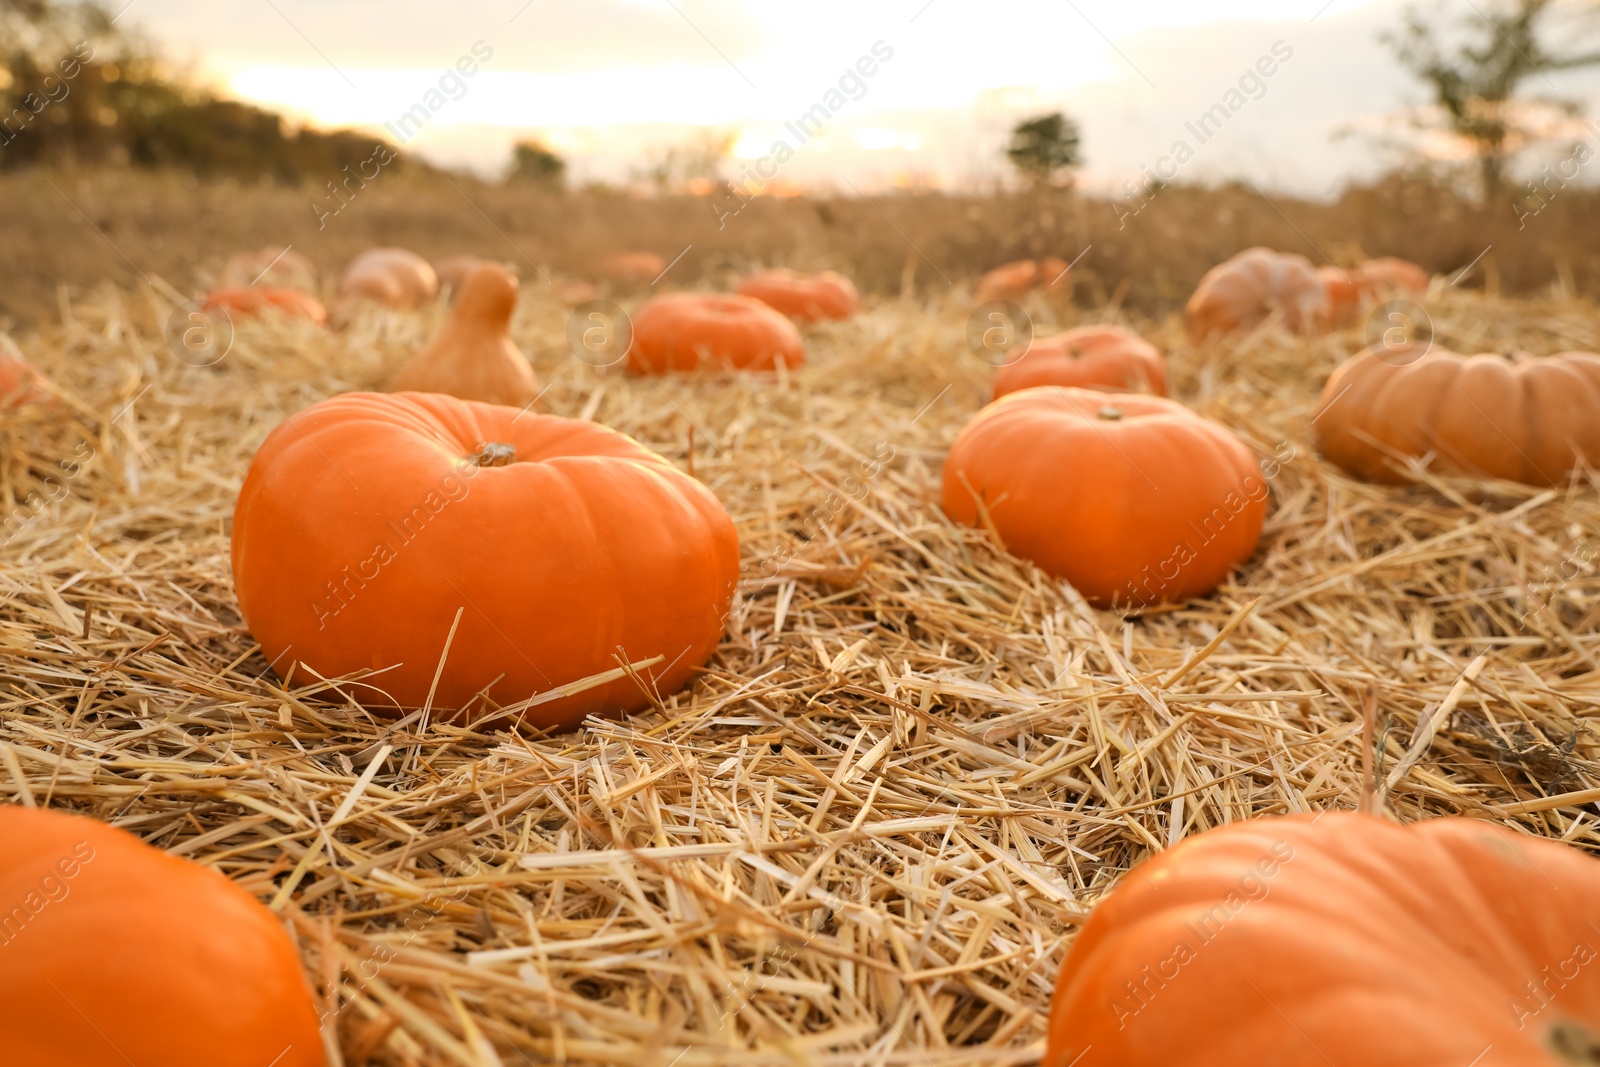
1242 292
804 297
712 331
1107 358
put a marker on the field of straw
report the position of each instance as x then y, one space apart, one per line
869 831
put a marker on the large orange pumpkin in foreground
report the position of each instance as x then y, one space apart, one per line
804 297
1108 358
1340 940
250 302
700 331
473 357
368 521
392 277
1241 293
113 952
1132 499
1525 420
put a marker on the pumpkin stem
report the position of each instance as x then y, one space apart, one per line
495 454
1110 414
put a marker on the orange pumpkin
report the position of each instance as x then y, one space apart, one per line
474 357
249 303
116 953
392 277
1013 281
705 331
22 385
1241 293
273 266
804 297
1339 939
367 522
1390 275
630 268
1346 291
1525 420
1107 358
1132 499
453 271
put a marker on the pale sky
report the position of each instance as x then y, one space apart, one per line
609 82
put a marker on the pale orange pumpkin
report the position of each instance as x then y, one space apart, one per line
1241 293
630 268
1339 939
372 526
1347 291
1132 499
392 277
273 266
1107 358
804 297
115 953
1013 281
1524 420
473 357
251 302
1391 275
21 383
712 331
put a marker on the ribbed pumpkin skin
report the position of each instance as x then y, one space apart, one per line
1480 416
362 528
138 957
473 357
1157 505
1337 939
712 331
1240 293
1107 358
804 297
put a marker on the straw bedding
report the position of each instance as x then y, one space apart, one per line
868 833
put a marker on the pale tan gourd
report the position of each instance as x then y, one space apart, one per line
389 276
473 357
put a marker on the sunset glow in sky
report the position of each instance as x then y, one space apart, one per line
611 82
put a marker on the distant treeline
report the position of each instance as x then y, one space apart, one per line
77 90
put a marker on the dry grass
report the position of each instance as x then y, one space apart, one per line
75 229
868 833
